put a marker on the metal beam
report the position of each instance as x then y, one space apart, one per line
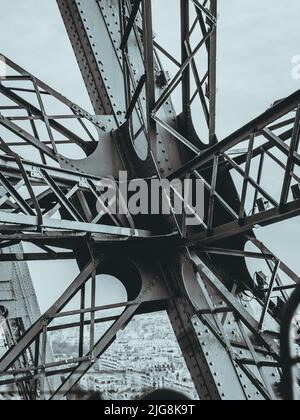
130 24
232 229
27 137
255 126
34 256
291 163
29 222
99 348
150 72
9 359
236 306
212 78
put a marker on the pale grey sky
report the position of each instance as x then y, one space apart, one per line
257 40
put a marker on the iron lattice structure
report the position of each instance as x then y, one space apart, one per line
198 275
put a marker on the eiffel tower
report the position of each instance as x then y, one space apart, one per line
226 322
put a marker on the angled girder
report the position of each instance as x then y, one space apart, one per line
230 351
255 126
37 335
24 217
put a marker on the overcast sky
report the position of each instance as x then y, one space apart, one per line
257 40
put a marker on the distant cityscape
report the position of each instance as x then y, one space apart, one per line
144 357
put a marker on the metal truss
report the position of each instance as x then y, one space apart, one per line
25 110
36 368
270 141
33 192
290 348
269 145
59 188
227 323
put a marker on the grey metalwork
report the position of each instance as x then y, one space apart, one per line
198 275
19 309
16 283
290 348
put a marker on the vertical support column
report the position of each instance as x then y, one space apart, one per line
213 77
93 314
290 163
212 197
246 177
82 319
36 371
186 79
150 72
43 362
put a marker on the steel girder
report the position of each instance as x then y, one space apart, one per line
290 348
38 334
231 352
